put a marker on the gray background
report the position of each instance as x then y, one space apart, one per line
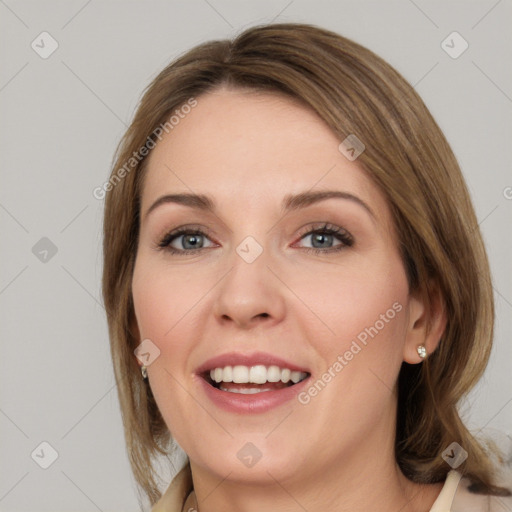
61 119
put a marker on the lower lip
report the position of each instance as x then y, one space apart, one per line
251 404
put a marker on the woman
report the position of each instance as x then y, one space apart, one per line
296 375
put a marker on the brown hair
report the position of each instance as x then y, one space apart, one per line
354 92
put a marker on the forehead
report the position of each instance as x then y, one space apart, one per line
251 149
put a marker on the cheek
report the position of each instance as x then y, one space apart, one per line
348 300
365 307
163 301
164 298
359 364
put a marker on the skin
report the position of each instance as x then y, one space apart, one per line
248 150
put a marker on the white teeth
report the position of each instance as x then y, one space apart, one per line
295 377
285 375
244 391
240 374
227 374
274 374
257 374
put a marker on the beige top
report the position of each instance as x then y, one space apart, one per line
454 496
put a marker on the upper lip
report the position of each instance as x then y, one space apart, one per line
253 359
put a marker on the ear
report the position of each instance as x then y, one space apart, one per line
426 324
134 331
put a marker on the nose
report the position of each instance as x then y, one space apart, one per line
250 293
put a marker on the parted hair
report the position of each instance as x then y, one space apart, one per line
406 155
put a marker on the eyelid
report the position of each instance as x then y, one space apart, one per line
341 234
338 232
324 226
180 231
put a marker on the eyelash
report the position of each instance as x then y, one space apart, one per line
326 229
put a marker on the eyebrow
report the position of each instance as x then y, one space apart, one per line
290 202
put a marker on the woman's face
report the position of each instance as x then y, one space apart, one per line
259 291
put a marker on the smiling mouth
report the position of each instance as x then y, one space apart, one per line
253 379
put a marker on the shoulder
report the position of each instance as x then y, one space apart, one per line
467 497
467 500
173 498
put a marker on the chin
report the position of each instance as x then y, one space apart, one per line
247 457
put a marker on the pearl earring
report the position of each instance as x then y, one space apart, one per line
422 351
144 372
